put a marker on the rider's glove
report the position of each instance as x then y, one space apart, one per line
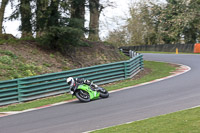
87 82
95 86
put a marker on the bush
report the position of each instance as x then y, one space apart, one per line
61 38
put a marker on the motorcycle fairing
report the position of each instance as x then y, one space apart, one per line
93 94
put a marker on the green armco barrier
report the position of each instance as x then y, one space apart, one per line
30 88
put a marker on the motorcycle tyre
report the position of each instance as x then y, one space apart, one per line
77 94
104 94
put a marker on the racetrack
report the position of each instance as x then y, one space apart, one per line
141 102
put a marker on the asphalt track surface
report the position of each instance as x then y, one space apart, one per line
170 95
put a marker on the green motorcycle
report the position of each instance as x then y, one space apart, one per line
86 93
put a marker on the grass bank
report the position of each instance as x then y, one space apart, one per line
158 70
187 121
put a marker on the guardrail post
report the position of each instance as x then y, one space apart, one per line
130 53
141 63
125 70
19 91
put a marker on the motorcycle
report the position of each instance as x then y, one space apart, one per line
86 93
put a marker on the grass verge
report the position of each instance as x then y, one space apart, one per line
156 52
158 70
187 121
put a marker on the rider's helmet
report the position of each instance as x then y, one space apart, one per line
70 81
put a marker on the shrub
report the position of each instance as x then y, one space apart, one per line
61 38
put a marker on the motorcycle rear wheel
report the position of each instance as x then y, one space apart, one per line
82 95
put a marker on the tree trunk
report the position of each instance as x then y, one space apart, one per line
26 15
95 10
2 10
41 16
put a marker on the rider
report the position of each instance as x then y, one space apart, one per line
74 82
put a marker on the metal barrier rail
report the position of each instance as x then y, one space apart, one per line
129 52
30 88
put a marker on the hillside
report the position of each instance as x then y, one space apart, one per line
27 58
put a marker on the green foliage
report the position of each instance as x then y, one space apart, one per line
141 27
19 70
65 68
12 67
117 37
6 59
61 38
47 64
176 21
5 52
15 40
26 15
62 34
10 41
76 23
52 55
7 38
57 24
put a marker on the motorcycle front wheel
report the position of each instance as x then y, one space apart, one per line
103 93
82 95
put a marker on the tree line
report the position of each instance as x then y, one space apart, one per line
150 22
55 21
